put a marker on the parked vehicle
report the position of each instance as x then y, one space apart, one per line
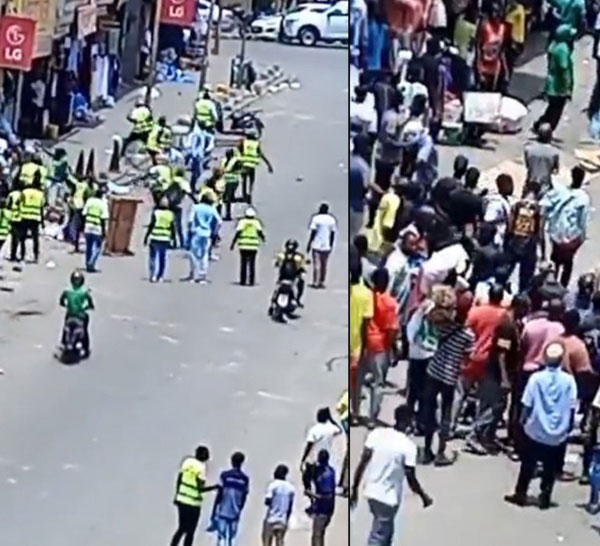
314 23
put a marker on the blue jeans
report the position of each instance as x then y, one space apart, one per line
199 254
382 529
158 259
93 245
226 531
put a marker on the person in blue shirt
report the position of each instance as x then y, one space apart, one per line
230 501
549 404
198 146
322 495
204 222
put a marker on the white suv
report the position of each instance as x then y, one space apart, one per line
318 24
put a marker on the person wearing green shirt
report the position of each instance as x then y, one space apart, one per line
77 301
559 80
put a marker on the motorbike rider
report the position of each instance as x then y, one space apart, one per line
77 301
292 266
141 118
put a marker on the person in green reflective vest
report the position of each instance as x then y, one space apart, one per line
191 484
95 217
4 222
14 200
80 191
232 169
141 119
32 215
161 236
251 155
248 237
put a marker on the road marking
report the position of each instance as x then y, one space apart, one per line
169 339
12 481
122 317
70 466
276 397
25 468
152 323
226 329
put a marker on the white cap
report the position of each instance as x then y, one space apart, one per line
554 352
250 213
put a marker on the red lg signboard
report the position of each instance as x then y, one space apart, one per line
178 12
17 42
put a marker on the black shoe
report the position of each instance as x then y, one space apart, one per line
544 502
442 460
516 499
427 457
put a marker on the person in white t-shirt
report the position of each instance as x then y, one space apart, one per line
320 436
389 456
323 227
280 502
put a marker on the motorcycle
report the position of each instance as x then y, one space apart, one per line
71 349
283 302
246 120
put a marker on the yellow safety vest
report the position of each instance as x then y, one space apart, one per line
93 216
192 471
28 171
250 155
248 238
78 199
163 225
342 406
152 143
142 119
14 198
204 109
4 223
230 169
32 203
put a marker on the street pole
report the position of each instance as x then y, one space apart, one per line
18 101
205 55
154 53
217 42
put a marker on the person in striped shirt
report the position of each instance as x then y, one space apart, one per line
455 344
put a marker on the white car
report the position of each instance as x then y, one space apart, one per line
317 23
266 28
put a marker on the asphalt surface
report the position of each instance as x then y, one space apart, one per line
468 497
89 454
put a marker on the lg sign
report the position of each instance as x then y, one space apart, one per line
177 12
17 37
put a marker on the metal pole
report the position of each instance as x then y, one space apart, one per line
217 41
154 53
18 101
204 67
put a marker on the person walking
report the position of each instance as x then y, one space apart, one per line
541 158
559 81
95 217
4 223
189 489
232 167
567 214
388 457
230 501
204 223
322 495
280 503
161 235
251 155
32 215
549 403
248 237
16 226
322 229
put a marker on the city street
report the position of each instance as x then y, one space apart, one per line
89 455
468 497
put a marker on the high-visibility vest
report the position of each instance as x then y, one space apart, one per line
78 199
32 202
164 175
229 166
188 493
342 406
205 112
14 198
248 229
4 223
94 209
165 137
28 171
142 119
250 155
163 225
152 143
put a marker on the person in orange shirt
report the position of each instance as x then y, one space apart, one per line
492 40
382 331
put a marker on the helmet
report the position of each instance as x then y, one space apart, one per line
77 278
140 102
252 132
291 245
250 213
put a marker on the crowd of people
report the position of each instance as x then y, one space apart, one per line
473 287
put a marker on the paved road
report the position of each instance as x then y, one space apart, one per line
468 505
89 455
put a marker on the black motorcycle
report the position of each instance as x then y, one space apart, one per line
71 349
283 303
